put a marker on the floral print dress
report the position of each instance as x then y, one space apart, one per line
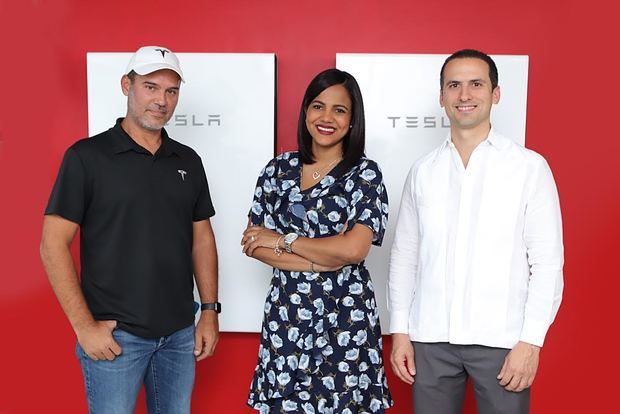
320 348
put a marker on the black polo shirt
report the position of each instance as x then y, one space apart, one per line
135 212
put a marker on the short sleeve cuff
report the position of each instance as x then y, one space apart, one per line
72 216
68 197
203 216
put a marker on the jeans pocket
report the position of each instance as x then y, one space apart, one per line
79 352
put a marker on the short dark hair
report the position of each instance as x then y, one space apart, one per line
472 54
355 140
132 75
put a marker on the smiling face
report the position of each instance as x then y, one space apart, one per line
328 117
467 95
152 98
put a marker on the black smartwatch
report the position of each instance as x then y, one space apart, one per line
215 306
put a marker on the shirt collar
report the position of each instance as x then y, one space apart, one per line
497 140
122 142
445 145
494 139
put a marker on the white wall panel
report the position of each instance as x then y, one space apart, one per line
404 121
226 112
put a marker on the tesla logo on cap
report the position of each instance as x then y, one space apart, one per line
163 52
182 172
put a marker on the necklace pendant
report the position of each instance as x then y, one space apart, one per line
316 175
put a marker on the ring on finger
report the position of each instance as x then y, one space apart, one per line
252 238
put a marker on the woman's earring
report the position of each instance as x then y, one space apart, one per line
350 126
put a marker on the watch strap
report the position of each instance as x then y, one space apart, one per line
289 239
214 306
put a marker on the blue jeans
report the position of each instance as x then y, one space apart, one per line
166 365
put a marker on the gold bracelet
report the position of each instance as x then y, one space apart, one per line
276 248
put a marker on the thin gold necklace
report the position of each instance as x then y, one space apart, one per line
317 173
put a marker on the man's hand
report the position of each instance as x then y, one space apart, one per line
519 367
207 335
402 358
97 341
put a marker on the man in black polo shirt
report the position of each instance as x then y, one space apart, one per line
142 204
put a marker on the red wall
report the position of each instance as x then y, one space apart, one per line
571 120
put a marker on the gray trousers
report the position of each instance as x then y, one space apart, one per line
441 374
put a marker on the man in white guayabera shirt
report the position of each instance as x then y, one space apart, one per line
476 267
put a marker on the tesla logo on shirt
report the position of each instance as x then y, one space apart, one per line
182 172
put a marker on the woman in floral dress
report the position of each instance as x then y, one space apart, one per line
315 214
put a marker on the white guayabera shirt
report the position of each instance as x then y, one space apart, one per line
477 255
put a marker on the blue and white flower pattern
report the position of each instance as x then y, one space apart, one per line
320 348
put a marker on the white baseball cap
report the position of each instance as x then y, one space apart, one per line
149 59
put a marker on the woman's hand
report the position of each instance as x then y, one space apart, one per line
320 268
258 236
